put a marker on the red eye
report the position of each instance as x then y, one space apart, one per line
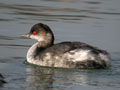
34 32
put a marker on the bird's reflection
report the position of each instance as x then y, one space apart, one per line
40 78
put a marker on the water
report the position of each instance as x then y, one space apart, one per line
96 22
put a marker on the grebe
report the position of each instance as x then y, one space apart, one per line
64 54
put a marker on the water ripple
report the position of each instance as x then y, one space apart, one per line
15 45
3 37
51 13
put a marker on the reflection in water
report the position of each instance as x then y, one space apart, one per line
42 78
39 78
47 78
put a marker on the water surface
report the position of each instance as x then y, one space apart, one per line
96 22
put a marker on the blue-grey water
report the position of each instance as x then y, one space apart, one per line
96 22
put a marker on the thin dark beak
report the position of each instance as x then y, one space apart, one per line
25 35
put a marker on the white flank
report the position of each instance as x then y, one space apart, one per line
80 55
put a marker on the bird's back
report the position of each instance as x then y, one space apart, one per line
74 55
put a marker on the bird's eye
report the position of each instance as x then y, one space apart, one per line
34 32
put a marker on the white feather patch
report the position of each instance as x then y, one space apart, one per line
80 55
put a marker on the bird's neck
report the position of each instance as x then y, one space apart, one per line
36 49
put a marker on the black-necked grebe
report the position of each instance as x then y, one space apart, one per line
64 54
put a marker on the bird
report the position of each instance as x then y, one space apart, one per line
66 54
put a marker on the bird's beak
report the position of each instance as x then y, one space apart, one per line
25 35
